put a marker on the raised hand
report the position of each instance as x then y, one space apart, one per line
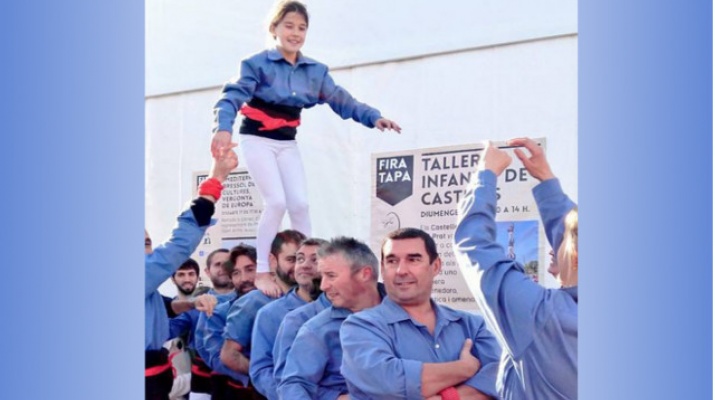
494 159
536 162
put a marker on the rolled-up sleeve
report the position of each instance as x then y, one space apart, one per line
213 340
240 319
488 351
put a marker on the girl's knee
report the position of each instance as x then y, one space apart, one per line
275 207
298 208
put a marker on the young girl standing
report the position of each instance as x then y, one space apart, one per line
273 88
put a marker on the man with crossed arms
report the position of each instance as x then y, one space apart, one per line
410 347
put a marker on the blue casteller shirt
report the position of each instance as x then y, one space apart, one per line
159 266
265 328
269 77
537 326
212 334
289 329
239 325
195 322
312 368
384 350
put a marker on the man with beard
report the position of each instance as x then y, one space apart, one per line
349 278
187 322
161 262
411 347
241 268
185 278
269 318
236 348
221 282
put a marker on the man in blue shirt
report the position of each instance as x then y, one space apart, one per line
349 278
236 348
538 327
241 278
185 279
269 318
410 347
220 282
161 262
241 267
289 329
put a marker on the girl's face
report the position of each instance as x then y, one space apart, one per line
290 33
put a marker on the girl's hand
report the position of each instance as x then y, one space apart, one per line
384 123
221 139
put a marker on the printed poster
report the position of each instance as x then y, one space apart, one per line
237 214
421 188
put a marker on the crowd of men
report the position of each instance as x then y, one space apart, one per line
336 332
314 342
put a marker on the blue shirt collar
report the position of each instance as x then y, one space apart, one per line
275 55
393 312
344 312
324 301
339 313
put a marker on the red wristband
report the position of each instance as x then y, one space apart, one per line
211 187
449 393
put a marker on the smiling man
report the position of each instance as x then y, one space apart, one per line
235 352
269 318
410 347
312 366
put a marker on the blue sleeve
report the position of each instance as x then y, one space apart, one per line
213 341
553 206
180 325
343 104
240 319
369 364
233 95
168 256
261 366
514 305
200 333
284 341
305 366
488 351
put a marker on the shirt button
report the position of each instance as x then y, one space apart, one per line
293 93
436 346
